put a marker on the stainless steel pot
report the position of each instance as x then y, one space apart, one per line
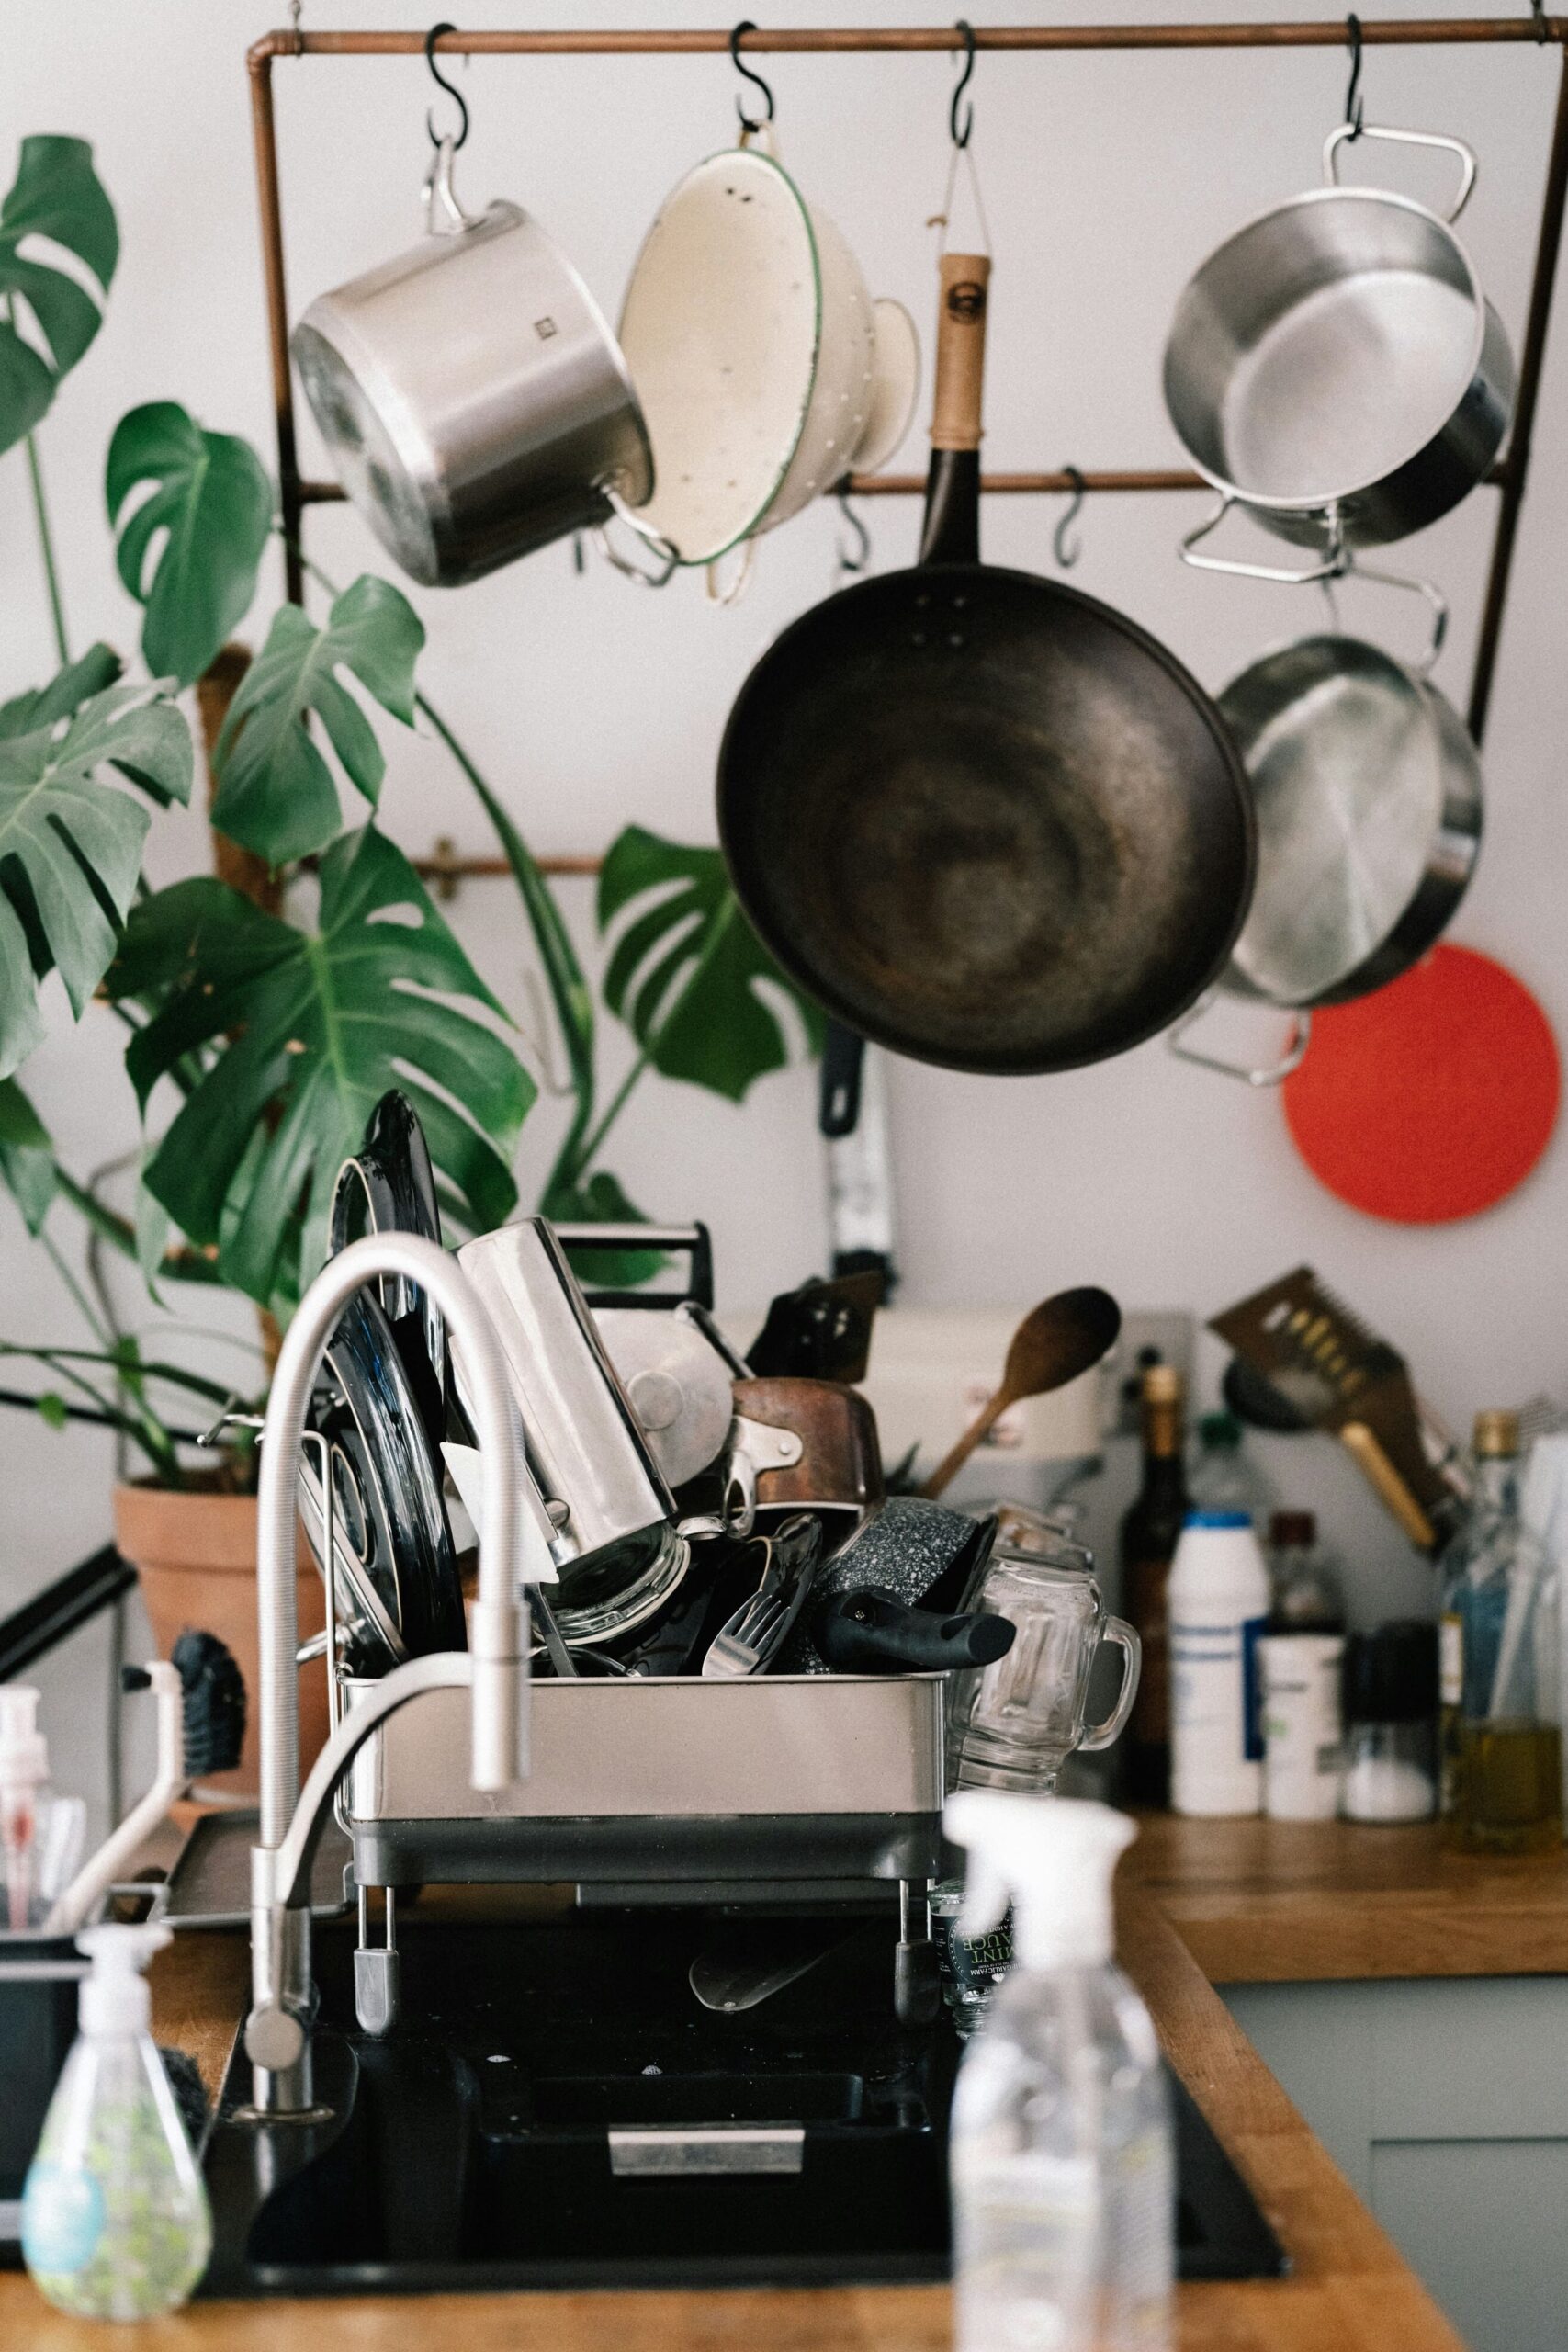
1368 802
472 398
1336 368
613 1542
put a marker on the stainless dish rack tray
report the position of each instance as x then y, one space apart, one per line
764 1789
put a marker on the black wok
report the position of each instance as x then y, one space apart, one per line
980 817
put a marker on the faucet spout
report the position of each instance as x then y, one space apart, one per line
497 1668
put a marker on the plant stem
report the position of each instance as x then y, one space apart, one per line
46 544
179 1265
93 1321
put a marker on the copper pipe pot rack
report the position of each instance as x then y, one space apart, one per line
1509 476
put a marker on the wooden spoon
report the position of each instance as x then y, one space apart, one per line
1056 1340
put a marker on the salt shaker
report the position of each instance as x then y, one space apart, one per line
1391 1707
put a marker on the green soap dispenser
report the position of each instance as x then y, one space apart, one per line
115 2218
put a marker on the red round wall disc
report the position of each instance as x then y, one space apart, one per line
1432 1098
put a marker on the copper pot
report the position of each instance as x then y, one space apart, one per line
837 1462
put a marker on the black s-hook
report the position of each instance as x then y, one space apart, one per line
745 25
436 75
1354 104
1067 548
962 131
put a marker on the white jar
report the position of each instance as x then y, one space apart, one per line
1218 1605
1303 1736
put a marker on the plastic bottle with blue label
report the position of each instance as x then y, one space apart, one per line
1218 1599
115 2218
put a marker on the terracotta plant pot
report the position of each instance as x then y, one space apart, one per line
195 1554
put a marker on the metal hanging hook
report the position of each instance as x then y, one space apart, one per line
436 75
1067 553
1354 105
961 131
745 72
858 557
1538 17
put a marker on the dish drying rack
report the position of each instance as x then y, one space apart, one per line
1508 477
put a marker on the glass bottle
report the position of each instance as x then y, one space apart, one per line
1307 1596
1502 1744
1150 1532
1224 1476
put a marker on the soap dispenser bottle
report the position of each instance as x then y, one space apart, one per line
1061 2149
115 2218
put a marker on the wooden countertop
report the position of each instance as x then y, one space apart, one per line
1200 1902
1285 1902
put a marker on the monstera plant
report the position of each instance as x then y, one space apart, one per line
262 1022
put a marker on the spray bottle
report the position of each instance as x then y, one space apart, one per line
41 1835
115 2218
1061 2150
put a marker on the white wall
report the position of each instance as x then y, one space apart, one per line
589 703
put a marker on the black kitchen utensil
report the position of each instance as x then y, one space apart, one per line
980 817
863 1632
398 1590
389 1187
821 1331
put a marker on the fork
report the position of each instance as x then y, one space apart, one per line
756 1631
747 1638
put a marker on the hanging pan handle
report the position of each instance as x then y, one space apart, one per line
960 351
1437 603
1349 130
1273 1074
1334 562
668 556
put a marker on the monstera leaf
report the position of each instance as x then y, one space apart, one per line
304 1031
55 196
276 793
69 843
26 1156
684 973
190 548
599 1199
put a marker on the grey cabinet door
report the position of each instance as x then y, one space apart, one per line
1446 2104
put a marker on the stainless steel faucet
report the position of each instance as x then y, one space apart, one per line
495 1666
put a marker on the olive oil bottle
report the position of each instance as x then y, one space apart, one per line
1502 1742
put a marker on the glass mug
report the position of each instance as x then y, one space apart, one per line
1013 1725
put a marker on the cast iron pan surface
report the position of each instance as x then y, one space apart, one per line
985 820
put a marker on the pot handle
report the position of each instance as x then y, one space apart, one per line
668 556
1347 130
1099 1735
1437 602
1274 1075
1334 563
443 215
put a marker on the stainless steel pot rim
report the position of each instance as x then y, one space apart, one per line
1324 501
750 154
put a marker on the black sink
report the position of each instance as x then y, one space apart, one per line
559 2111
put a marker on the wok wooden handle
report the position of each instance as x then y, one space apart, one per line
960 351
1388 1484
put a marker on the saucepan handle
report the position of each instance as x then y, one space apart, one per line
1273 1075
669 557
1333 565
1438 605
1347 130
960 351
729 588
1099 1735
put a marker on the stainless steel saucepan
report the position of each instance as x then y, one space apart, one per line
471 395
1335 366
1369 803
